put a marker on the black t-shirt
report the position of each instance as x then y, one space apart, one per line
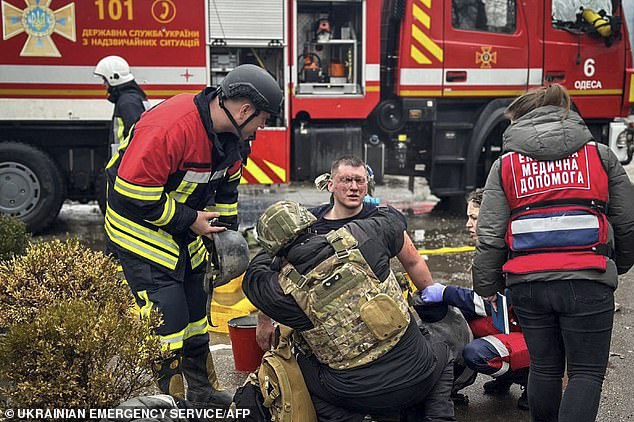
380 238
323 225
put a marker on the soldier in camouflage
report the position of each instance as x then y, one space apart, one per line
358 346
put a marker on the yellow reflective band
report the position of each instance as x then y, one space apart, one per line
121 274
122 145
452 92
125 141
427 3
172 341
446 250
419 93
225 210
169 209
143 193
197 252
153 237
236 176
196 328
583 92
194 246
183 191
135 246
199 257
112 160
118 130
145 309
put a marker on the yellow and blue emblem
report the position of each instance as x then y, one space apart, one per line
39 22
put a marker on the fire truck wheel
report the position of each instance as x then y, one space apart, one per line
100 191
32 185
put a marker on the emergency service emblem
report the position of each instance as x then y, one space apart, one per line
39 22
485 57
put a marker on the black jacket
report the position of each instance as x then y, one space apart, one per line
380 238
129 103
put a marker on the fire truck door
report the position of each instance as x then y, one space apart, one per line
486 49
580 59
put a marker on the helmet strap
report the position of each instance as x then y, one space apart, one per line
235 124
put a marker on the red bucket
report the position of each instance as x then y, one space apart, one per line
247 355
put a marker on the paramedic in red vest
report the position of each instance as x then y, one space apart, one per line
556 223
172 183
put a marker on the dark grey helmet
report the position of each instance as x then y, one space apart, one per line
229 258
256 84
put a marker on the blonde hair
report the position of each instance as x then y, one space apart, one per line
554 94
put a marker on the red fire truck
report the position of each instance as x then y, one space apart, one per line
416 87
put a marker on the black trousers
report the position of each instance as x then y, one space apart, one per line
565 324
427 401
182 304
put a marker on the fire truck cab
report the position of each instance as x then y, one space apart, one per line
419 88
415 87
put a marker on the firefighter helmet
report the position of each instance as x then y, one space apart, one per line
281 223
256 84
229 258
115 70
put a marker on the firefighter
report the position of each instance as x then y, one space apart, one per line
360 349
503 356
556 225
128 98
172 184
349 182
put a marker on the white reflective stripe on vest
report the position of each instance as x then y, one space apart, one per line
555 223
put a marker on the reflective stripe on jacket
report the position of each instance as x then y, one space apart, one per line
171 165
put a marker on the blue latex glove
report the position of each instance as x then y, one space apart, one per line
433 293
372 200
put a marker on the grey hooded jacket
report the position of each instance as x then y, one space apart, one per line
543 134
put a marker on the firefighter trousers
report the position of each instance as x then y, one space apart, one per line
181 303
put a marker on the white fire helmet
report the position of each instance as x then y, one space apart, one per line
115 70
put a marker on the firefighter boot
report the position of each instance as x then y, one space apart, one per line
169 376
203 389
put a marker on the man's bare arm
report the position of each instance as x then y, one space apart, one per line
414 264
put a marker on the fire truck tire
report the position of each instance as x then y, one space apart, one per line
100 190
32 185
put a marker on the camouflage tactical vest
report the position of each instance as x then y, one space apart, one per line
356 317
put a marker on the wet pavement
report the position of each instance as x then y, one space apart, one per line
440 229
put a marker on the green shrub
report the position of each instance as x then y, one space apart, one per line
73 339
14 237
51 272
77 354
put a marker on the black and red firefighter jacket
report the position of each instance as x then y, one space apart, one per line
171 165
